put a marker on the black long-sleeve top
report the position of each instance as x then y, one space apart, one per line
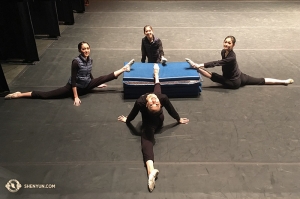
153 50
140 105
230 67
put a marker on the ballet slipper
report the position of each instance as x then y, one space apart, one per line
151 179
289 81
12 95
192 64
128 65
155 70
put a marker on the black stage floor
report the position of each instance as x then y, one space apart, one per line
238 144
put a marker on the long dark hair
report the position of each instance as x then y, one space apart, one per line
232 39
146 26
81 43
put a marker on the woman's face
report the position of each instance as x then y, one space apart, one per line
228 44
85 50
148 33
153 103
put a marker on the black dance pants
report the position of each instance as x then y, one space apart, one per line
66 91
237 83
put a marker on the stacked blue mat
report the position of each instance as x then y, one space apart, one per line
177 79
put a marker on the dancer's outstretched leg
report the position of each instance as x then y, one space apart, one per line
126 68
147 142
62 92
200 68
96 82
152 172
271 81
17 94
156 73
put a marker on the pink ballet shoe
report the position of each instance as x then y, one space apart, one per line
192 64
155 69
151 180
289 81
12 95
129 64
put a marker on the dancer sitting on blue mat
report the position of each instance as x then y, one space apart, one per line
80 82
150 105
232 77
152 47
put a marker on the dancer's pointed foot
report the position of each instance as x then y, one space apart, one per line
156 73
128 65
289 81
12 95
155 69
192 64
151 179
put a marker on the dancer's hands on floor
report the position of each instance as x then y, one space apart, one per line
77 101
183 120
122 118
102 86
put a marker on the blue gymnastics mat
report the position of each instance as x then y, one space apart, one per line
177 80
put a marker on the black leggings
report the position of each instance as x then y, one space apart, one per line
149 128
237 83
67 91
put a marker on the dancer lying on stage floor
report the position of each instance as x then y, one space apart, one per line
81 81
150 105
232 77
152 47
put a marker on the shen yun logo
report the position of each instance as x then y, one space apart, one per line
13 185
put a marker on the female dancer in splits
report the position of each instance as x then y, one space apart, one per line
80 82
152 47
150 105
232 77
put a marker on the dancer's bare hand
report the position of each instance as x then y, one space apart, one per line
77 101
122 118
183 120
102 86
